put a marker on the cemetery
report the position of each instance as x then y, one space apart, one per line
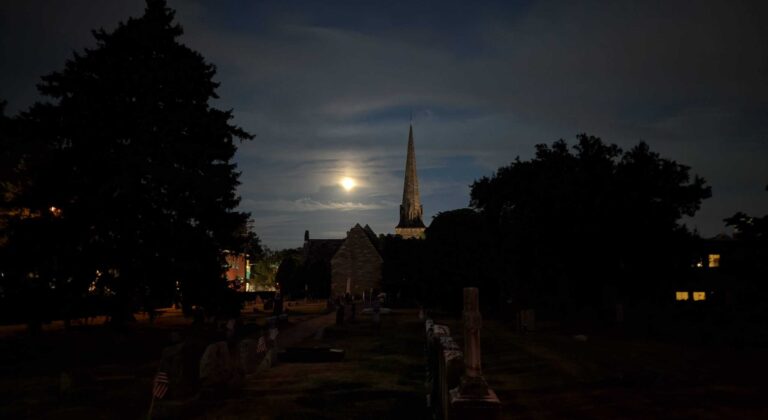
409 363
157 168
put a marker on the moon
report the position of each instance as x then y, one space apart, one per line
347 183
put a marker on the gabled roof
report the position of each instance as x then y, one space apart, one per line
321 250
373 238
360 232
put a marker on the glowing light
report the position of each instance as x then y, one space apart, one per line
347 183
714 260
681 295
699 295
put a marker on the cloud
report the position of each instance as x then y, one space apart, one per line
309 205
328 90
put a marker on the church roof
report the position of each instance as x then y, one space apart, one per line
373 238
321 250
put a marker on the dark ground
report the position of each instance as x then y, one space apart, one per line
536 375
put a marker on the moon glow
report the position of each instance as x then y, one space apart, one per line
347 183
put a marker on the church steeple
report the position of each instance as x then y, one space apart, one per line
411 210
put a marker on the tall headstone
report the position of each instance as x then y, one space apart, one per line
473 398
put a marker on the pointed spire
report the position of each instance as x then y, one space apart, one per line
411 209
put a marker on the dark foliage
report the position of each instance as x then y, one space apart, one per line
404 270
580 228
459 246
750 228
289 274
130 186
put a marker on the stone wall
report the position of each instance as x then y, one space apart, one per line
357 261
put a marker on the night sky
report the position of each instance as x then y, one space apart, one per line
328 88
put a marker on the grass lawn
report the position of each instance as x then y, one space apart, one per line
540 375
382 376
549 375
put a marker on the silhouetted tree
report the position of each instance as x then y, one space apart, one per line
403 270
753 228
460 253
288 275
590 225
132 173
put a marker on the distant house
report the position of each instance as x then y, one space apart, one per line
725 271
238 270
350 265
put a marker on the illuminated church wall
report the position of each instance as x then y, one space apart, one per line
357 264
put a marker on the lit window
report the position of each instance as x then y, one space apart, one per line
699 295
714 260
681 295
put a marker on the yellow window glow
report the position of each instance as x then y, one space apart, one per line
681 295
714 260
699 295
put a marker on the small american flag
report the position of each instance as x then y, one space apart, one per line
160 385
261 347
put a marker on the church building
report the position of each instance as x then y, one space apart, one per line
354 264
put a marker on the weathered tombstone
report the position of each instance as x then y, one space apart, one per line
473 398
181 363
250 354
217 367
451 369
428 325
434 334
230 328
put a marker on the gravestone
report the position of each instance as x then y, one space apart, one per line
473 398
217 367
434 353
181 362
451 369
251 354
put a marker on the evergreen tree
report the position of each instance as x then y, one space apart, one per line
134 173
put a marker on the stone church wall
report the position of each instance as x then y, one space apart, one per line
356 260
